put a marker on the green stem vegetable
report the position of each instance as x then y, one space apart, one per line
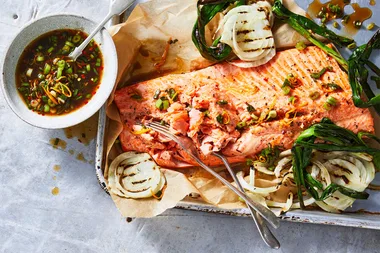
326 136
206 12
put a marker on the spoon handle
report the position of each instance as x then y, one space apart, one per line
78 50
116 8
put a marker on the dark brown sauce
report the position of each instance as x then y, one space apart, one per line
80 157
84 132
315 7
49 82
55 191
58 143
360 15
351 23
57 168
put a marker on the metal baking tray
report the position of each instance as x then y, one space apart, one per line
363 214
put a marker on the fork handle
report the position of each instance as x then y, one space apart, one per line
264 231
267 214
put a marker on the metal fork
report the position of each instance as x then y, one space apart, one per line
264 231
188 146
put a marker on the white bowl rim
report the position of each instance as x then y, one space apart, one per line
3 82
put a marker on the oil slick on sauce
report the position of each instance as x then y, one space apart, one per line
352 22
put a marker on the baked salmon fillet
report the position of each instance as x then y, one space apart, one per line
239 111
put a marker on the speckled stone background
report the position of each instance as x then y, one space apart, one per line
82 218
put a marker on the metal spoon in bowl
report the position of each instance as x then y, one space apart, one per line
117 7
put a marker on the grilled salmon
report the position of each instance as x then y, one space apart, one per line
239 111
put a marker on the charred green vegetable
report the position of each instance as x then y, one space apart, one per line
358 74
326 136
207 10
308 28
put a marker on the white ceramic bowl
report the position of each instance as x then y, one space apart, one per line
29 33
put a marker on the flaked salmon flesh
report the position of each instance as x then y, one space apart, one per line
239 111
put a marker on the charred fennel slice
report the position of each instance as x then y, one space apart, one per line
247 30
353 172
135 175
328 165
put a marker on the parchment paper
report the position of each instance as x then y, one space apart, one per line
140 42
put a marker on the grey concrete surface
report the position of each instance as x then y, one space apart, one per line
82 218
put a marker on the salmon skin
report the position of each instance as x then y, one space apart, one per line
239 111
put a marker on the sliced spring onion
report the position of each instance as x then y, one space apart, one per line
47 68
40 58
159 103
286 90
250 108
88 67
46 108
76 38
300 45
314 95
50 50
319 74
157 94
332 101
272 115
29 72
68 43
222 102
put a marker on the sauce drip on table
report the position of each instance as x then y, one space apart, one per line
334 9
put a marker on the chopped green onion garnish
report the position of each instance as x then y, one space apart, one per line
272 115
29 72
370 26
286 90
41 76
40 58
136 96
352 46
88 67
50 50
319 74
159 103
250 108
333 86
219 118
241 125
76 38
157 94
88 96
68 43
46 108
69 71
25 84
327 106
96 72
300 45
314 95
222 102
165 104
331 100
47 68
